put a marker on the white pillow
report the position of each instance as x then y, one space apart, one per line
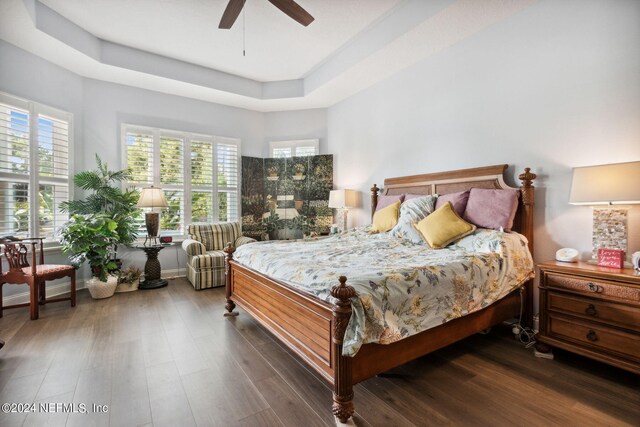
411 212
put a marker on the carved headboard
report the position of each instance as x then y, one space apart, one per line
491 177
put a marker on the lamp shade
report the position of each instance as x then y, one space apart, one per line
152 197
616 183
340 199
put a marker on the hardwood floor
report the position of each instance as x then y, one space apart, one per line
167 357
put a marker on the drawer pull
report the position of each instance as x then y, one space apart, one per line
593 287
591 336
591 310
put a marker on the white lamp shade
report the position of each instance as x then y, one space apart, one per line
340 199
617 183
152 197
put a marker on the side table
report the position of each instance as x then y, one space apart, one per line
591 310
152 269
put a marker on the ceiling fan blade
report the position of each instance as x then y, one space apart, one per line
294 10
234 7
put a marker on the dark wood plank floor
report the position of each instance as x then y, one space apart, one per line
167 357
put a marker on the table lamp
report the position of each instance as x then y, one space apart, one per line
343 200
612 184
152 197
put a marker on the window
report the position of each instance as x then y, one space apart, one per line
35 143
303 147
198 173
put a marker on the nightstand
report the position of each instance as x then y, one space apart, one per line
590 310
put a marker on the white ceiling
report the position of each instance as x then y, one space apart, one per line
277 47
174 46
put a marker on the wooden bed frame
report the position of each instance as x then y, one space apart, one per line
314 329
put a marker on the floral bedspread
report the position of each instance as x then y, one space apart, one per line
402 288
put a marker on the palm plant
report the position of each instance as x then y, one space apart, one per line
91 238
107 197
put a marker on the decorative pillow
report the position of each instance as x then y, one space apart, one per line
384 201
412 211
410 196
458 200
492 208
443 227
386 218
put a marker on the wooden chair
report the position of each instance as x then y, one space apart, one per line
35 276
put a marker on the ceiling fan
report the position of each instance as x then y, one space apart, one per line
290 7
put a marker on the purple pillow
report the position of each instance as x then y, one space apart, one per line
458 201
410 196
384 201
492 208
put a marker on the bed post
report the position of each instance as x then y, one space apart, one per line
230 305
342 379
374 199
527 191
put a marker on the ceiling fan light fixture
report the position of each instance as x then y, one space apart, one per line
288 7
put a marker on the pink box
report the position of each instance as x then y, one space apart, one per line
611 258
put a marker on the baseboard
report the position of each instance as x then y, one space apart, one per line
174 273
63 288
52 291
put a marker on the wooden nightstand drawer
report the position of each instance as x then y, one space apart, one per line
608 312
591 310
595 336
596 288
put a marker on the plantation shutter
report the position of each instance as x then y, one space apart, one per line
198 174
298 148
202 180
281 152
227 164
53 166
172 182
306 151
15 167
140 159
34 167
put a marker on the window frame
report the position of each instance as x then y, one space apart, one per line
36 110
294 144
187 187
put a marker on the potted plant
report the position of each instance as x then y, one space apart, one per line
107 197
271 224
93 238
298 170
271 202
129 279
272 173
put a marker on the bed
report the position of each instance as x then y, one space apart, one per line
318 325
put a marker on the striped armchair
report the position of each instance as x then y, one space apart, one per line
205 256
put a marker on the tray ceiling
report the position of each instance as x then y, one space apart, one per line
174 46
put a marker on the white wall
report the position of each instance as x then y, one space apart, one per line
100 108
108 105
28 76
554 87
292 125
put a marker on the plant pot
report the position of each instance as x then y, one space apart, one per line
127 287
99 289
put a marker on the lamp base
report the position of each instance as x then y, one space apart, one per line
341 219
609 229
153 284
152 222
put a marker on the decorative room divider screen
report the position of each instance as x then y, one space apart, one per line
286 198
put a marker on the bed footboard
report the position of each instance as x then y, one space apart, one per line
312 328
343 378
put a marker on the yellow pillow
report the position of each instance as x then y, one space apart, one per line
443 226
386 218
